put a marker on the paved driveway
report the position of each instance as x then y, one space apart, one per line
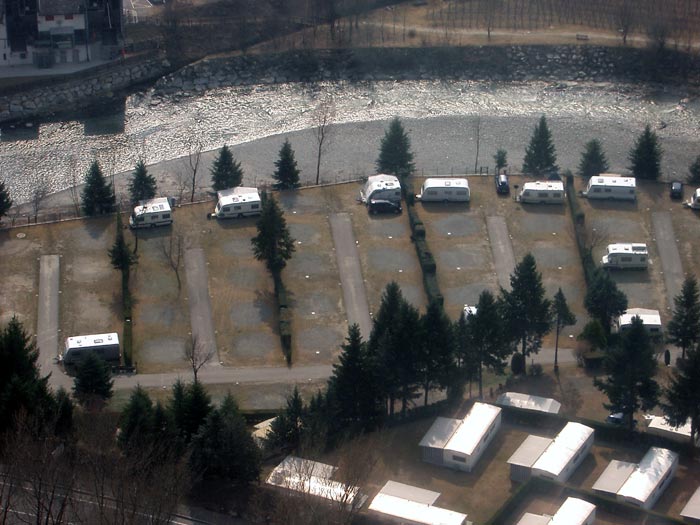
668 252
200 305
501 249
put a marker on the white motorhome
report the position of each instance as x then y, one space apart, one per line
381 187
626 255
694 202
237 202
153 212
542 192
444 190
610 186
105 346
651 319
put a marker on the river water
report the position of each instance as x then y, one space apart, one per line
442 118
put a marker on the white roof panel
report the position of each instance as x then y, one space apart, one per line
153 206
692 508
518 400
409 492
544 185
533 519
661 427
89 341
564 447
611 179
445 183
475 425
440 432
414 505
650 472
614 476
574 511
648 317
529 451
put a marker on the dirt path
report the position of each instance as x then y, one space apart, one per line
47 320
200 305
354 294
501 249
668 252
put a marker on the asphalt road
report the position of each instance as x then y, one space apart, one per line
668 251
200 305
354 294
501 249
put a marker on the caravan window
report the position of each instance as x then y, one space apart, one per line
543 194
556 195
236 207
526 194
596 190
625 259
431 192
608 190
139 219
254 206
166 215
459 459
461 192
154 217
226 208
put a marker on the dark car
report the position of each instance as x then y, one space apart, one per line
502 186
676 190
618 418
383 206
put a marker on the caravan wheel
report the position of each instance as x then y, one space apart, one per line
240 215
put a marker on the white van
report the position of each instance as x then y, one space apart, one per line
444 190
237 202
381 187
611 186
626 255
694 202
153 212
105 346
543 192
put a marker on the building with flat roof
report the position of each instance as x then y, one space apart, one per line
410 505
528 402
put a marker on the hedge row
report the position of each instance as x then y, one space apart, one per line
579 218
285 318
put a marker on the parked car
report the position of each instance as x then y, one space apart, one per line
676 190
502 186
618 418
383 206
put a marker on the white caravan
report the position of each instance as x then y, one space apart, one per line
237 202
626 255
610 186
153 212
694 202
651 319
381 187
105 346
444 190
542 192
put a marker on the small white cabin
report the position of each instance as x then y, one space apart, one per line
694 202
659 426
565 453
650 318
542 192
444 190
153 212
409 505
381 187
574 511
650 479
237 202
105 346
610 186
626 255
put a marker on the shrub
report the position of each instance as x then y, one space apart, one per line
127 342
517 364
432 289
535 370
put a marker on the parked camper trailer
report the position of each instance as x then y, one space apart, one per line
153 212
626 255
651 319
105 346
237 202
542 192
381 187
694 202
610 186
444 190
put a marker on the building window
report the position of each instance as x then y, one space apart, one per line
459 459
69 17
48 18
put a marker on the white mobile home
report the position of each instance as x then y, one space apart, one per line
610 186
105 346
444 190
525 456
659 426
626 255
381 187
410 505
528 402
650 318
694 202
542 192
574 511
650 478
691 511
151 213
237 202
458 443
565 453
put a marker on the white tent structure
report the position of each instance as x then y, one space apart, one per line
639 484
660 426
413 506
691 511
565 453
574 511
458 443
314 478
528 402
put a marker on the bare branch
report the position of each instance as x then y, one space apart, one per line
194 147
173 254
322 118
198 354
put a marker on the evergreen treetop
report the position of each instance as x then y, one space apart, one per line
273 244
225 171
604 301
540 155
682 396
98 196
142 185
395 155
287 172
593 160
93 384
684 327
645 156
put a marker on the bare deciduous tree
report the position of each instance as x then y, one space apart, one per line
198 354
625 16
477 131
173 254
75 181
39 194
194 147
322 119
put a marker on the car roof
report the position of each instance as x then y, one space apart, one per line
676 184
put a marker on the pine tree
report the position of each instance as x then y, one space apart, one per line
225 171
563 316
693 176
525 307
273 243
684 328
176 407
540 155
98 195
593 160
136 421
646 155
466 360
196 408
395 156
604 301
93 384
683 395
120 254
286 429
287 173
142 185
501 160
435 358
630 369
5 200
